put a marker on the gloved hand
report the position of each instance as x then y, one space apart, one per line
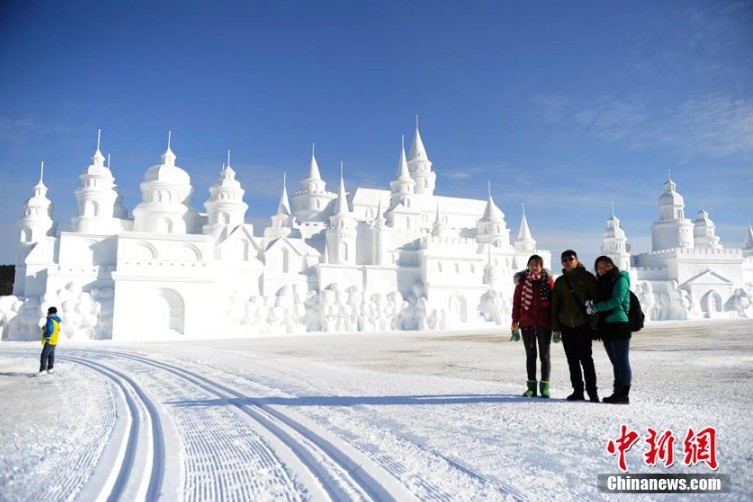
590 310
43 341
515 336
557 337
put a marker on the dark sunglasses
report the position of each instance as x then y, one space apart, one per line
568 259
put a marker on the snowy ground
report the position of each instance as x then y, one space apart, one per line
422 416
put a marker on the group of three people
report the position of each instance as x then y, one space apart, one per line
576 309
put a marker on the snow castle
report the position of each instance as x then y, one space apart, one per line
370 260
395 259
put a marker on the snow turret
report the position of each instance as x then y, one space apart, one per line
165 199
403 186
491 228
341 234
419 166
97 198
37 221
312 198
438 229
704 232
525 242
614 243
225 207
672 230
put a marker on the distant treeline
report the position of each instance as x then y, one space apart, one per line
7 273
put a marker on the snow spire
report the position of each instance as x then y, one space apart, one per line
227 171
749 239
98 158
284 206
418 150
342 201
168 158
41 175
492 212
314 166
402 167
525 241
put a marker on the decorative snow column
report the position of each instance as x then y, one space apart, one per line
282 221
491 228
704 232
97 198
419 166
439 228
379 237
312 198
225 207
165 198
341 235
672 230
614 244
37 221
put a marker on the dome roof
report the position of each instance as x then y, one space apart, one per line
168 172
670 197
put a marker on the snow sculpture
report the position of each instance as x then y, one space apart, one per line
398 258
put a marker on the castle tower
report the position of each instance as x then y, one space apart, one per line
525 242
491 228
37 221
97 198
704 232
419 166
402 212
672 230
165 198
225 207
341 234
614 243
438 229
312 198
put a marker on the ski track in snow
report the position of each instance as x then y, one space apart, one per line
341 474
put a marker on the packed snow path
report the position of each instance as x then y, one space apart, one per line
359 417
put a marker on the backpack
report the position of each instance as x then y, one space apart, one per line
636 317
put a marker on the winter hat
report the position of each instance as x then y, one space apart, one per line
52 310
569 253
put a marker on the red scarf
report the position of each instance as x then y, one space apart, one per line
526 296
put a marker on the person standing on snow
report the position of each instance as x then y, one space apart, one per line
531 313
571 323
613 302
50 334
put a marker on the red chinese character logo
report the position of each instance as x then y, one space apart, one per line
661 448
621 445
701 447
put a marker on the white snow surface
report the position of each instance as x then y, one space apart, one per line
379 416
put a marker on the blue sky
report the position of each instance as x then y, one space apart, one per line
563 106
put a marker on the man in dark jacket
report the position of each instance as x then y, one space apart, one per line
572 289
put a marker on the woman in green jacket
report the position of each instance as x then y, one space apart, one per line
613 304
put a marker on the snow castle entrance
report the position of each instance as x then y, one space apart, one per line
166 312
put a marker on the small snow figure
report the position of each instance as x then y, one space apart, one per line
50 334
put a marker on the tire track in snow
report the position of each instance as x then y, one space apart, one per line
127 481
343 472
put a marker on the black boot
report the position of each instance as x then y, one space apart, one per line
620 396
577 395
593 396
610 399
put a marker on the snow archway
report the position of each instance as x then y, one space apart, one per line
166 311
711 303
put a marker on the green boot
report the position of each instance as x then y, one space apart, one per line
531 392
544 389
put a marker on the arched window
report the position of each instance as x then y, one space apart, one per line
285 260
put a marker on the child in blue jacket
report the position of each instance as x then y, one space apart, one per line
50 335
